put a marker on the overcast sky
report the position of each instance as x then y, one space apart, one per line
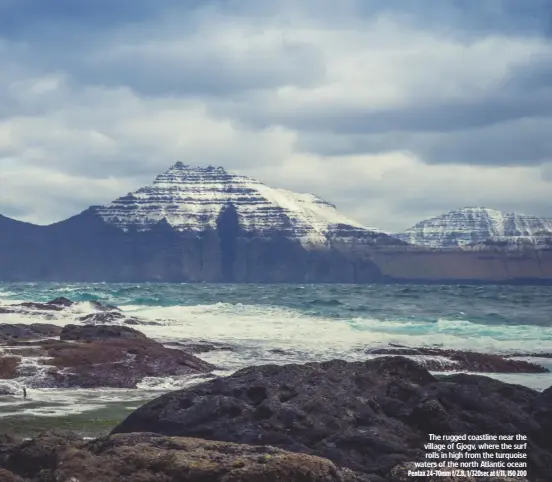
394 110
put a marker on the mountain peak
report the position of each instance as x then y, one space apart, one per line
179 171
191 199
180 166
476 225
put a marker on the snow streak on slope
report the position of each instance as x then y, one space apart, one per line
191 199
473 226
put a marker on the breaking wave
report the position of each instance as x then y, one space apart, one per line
289 324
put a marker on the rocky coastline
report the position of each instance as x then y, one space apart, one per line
314 422
318 422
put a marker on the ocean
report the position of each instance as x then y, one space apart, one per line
295 324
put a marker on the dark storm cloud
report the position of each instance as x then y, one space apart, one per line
29 19
129 71
203 73
77 37
490 134
509 125
432 116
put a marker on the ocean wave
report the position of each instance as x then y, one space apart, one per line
316 332
277 326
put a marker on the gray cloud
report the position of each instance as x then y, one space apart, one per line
389 108
517 142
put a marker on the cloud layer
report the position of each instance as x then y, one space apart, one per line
394 110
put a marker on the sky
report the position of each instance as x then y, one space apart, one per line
394 110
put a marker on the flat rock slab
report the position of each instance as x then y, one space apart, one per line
200 346
150 458
458 360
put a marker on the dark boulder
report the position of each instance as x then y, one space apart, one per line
61 301
368 416
145 457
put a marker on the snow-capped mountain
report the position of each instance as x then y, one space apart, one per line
192 199
474 226
206 225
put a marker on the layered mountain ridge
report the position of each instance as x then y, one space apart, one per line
191 199
476 227
195 224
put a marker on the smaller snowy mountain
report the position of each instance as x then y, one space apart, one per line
478 226
191 199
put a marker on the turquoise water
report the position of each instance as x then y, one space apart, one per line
292 324
489 305
316 321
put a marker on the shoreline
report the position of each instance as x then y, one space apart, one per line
223 358
331 411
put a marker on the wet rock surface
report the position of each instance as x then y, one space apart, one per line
106 356
367 416
103 313
57 304
115 316
147 457
17 331
100 332
201 346
456 360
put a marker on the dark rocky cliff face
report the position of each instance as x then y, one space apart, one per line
228 228
85 248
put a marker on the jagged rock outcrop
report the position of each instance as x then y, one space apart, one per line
368 416
100 356
480 226
100 314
